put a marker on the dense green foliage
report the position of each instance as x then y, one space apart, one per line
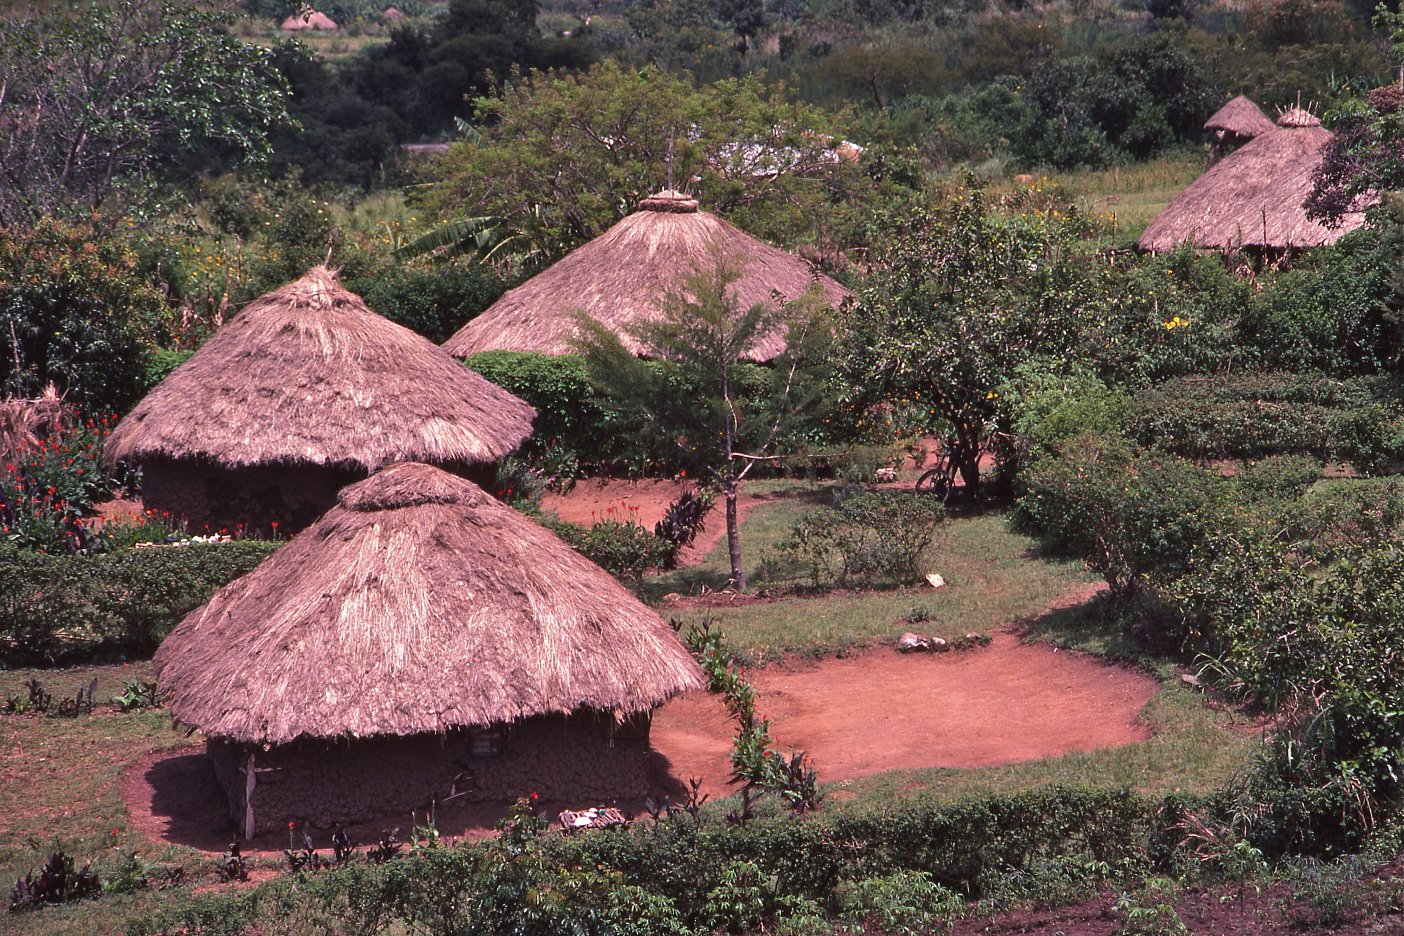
56 608
963 294
871 536
101 101
75 311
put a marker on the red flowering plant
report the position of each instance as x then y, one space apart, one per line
50 482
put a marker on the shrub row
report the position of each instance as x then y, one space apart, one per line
675 877
1271 415
67 608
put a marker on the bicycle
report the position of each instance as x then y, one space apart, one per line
940 478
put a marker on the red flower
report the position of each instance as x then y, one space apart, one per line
115 830
291 823
533 794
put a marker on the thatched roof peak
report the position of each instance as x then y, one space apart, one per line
409 484
1240 117
623 277
309 375
399 615
1296 118
669 200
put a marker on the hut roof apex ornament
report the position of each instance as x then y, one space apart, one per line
669 201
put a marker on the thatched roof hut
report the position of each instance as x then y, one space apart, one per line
418 606
308 377
1253 198
621 278
309 18
1241 118
393 14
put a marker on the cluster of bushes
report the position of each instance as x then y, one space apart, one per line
64 608
911 866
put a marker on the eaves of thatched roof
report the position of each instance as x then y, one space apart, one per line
1254 197
418 604
1242 118
622 277
309 375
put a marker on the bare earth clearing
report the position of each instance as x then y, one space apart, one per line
874 712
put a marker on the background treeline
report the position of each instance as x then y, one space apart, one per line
1063 85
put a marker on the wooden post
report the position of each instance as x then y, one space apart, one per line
248 797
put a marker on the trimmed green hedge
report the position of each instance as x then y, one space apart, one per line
675 877
70 608
1358 421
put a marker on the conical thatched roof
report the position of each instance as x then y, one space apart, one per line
308 374
1254 196
418 604
309 19
621 277
1240 117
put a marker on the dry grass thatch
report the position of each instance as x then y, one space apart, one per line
418 604
308 374
1241 118
1253 198
621 277
24 424
309 19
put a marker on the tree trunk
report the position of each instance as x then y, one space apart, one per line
733 535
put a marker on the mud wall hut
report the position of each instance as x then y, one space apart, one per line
421 643
622 277
303 392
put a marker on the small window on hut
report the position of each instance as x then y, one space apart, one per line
487 742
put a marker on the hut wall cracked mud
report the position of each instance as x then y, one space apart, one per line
578 758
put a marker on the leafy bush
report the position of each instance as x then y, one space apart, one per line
1356 421
569 411
682 521
1128 513
618 544
80 314
870 534
907 903
79 607
48 486
700 877
434 300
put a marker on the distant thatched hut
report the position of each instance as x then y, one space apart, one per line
392 14
303 392
621 278
309 18
1234 124
1253 198
421 641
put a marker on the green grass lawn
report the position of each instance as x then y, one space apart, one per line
993 579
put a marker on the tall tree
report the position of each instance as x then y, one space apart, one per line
723 415
960 295
100 102
567 156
